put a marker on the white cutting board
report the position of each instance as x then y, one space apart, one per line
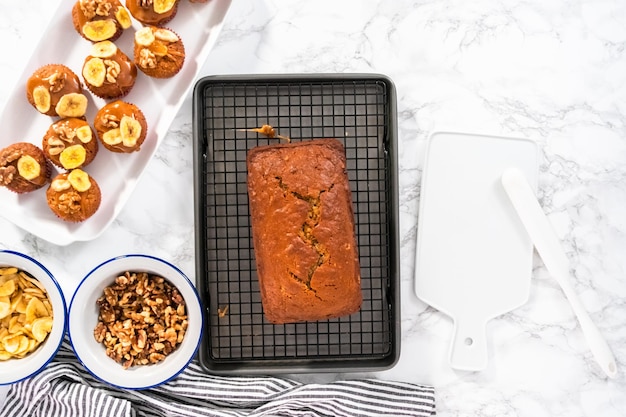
473 258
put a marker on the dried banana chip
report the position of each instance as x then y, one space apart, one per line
7 288
27 278
35 309
35 292
11 270
5 307
15 324
41 327
48 306
11 342
16 298
21 305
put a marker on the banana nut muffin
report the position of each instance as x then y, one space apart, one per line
70 143
74 196
100 20
121 127
159 52
108 72
23 167
55 90
152 12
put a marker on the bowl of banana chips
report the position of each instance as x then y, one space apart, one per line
33 316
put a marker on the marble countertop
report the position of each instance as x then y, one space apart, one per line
553 72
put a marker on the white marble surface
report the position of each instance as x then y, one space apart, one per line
554 72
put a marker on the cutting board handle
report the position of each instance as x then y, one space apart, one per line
469 345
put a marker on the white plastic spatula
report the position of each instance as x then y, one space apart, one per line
473 259
549 248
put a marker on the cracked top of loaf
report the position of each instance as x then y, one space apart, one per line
303 231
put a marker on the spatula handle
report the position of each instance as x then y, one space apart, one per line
469 346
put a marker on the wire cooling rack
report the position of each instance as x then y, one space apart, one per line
359 110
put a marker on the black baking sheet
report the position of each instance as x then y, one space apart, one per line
360 111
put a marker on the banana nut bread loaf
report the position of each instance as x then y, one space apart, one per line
303 231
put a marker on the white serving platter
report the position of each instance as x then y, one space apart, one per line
198 25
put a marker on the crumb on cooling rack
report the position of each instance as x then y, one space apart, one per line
222 311
268 131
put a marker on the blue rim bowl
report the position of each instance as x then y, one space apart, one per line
83 317
15 370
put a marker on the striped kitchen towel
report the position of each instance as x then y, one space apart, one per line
64 388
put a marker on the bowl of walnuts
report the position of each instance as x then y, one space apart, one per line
32 316
135 321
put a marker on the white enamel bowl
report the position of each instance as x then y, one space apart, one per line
14 370
83 317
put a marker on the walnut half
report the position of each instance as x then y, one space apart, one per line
7 174
147 59
112 70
